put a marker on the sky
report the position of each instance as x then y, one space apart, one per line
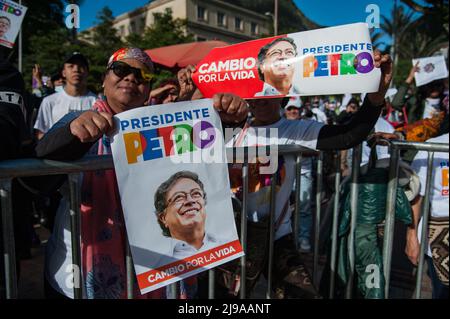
323 12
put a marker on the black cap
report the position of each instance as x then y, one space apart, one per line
76 56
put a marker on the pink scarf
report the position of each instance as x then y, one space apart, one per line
103 236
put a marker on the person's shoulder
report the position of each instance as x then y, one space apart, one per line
52 98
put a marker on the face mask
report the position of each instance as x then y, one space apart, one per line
59 88
434 103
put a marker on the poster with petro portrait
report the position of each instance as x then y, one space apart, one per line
172 174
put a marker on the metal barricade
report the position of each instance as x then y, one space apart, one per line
32 167
395 148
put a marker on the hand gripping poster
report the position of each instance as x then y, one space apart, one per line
172 174
332 60
11 17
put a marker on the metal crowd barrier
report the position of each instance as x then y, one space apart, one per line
33 167
395 148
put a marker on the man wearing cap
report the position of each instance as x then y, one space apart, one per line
292 109
74 97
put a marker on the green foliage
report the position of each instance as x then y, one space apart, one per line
164 31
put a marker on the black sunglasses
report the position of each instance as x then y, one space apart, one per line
122 69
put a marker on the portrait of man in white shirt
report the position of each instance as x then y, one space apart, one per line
276 67
180 204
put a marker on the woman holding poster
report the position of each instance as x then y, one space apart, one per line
127 85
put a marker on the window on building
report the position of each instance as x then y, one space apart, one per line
254 28
201 14
142 23
238 24
221 20
132 27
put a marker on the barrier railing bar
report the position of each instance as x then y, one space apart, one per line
334 230
243 282
273 185
419 146
298 176
211 284
9 251
172 291
356 161
317 219
129 270
75 202
425 218
390 216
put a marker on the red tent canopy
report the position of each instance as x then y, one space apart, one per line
181 55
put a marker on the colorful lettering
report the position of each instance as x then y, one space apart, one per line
166 141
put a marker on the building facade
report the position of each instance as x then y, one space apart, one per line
206 20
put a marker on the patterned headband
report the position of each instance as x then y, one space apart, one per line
132 53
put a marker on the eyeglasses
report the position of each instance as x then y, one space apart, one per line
277 53
122 69
181 197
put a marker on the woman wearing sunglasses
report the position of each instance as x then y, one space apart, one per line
127 85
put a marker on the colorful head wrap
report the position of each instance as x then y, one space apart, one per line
132 53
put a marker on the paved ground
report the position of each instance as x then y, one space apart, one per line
31 279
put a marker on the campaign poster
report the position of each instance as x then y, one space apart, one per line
332 60
430 69
11 17
171 168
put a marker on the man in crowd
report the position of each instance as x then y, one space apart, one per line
292 109
74 97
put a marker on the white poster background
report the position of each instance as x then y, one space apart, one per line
336 84
431 68
16 21
138 183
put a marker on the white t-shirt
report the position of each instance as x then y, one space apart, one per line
439 184
55 106
382 151
304 133
269 90
320 115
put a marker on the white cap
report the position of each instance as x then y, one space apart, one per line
294 101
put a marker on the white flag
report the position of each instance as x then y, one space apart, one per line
431 68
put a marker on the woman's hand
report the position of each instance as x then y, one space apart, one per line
232 109
90 126
384 62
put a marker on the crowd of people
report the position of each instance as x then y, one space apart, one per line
62 120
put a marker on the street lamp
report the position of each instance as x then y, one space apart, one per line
274 17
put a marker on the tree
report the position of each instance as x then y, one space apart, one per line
163 32
419 31
105 36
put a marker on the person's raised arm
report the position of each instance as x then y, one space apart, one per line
399 98
338 137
